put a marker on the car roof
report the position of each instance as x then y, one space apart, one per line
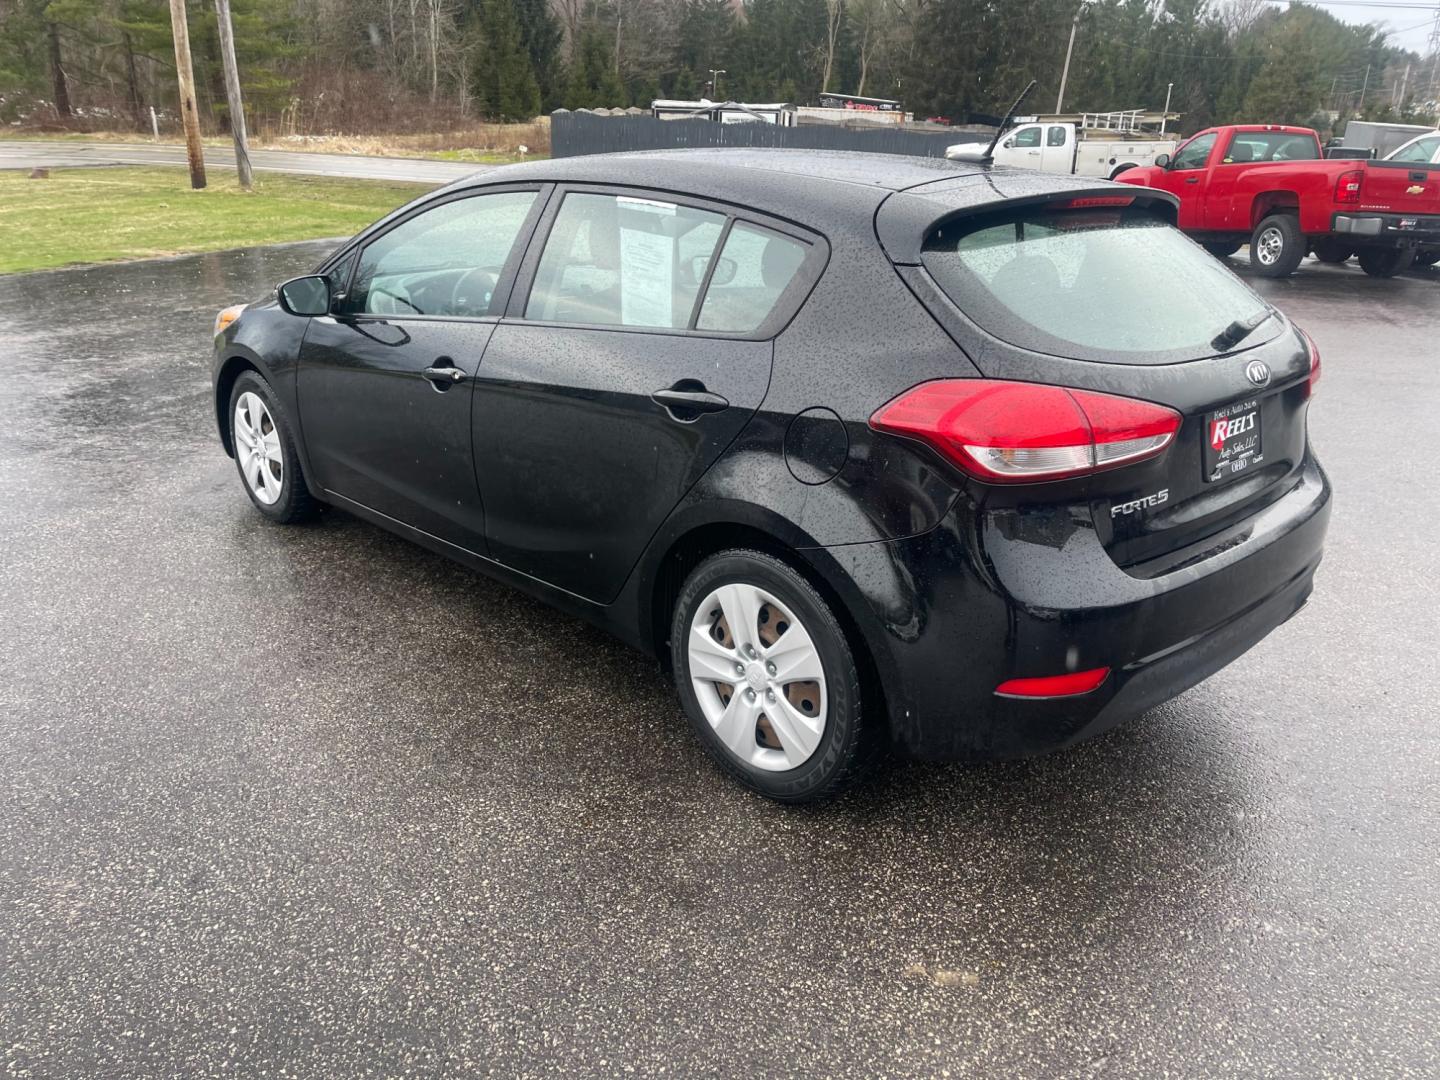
828 190
711 167
837 192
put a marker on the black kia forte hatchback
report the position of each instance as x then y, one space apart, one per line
868 450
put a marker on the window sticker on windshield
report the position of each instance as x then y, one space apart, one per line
647 278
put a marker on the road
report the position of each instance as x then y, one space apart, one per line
34 153
311 801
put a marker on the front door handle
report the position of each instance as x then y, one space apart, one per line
1192 180
688 399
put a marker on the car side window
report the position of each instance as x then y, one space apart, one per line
1419 150
754 269
1055 136
1027 137
1195 153
617 260
444 261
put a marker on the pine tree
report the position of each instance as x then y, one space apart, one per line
542 35
505 83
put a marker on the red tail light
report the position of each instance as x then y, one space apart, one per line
1013 432
1087 201
1347 186
1314 363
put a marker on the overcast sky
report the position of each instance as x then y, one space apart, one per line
1411 26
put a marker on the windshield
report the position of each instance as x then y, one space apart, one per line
1112 284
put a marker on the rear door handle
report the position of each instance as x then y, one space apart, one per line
688 399
444 373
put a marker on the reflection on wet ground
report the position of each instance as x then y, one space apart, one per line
314 799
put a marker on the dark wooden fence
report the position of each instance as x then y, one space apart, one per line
573 133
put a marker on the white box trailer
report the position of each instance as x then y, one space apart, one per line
1382 139
1097 144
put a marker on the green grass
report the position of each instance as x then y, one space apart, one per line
105 214
481 157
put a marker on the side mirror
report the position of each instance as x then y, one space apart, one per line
1009 144
724 270
1162 160
305 296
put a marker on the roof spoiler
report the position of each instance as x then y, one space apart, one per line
988 156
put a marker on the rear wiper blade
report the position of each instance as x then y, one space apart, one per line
1238 331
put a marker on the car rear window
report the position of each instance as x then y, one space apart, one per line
1111 284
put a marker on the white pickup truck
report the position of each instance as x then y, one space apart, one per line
1101 144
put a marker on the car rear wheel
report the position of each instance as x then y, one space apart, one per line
1223 251
1386 262
1332 251
765 673
1277 246
265 452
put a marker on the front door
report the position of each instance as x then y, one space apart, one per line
385 384
1184 178
621 375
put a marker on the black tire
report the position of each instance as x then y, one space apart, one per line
1427 258
1332 251
1386 262
1223 250
846 746
1277 246
294 501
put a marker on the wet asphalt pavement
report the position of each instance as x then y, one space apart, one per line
312 801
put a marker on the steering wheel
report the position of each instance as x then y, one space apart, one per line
472 292
384 302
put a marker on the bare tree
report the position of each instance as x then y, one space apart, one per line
834 21
867 23
1239 15
572 14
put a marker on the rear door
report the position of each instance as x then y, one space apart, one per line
1058 154
385 383
1116 301
630 357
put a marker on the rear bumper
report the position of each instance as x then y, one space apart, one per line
1388 229
1001 599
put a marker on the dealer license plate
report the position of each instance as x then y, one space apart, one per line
1232 440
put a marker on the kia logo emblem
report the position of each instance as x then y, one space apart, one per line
1257 372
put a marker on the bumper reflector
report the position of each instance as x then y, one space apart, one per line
1052 686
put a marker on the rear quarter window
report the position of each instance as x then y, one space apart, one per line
1113 285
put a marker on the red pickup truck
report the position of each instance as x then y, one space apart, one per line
1271 186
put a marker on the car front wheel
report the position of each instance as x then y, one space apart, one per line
1277 246
765 673
265 453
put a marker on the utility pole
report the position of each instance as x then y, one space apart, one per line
1065 72
180 30
232 94
1404 83
715 74
1165 115
1363 87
